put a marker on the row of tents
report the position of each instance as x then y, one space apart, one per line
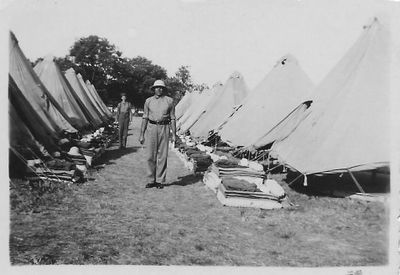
52 114
340 125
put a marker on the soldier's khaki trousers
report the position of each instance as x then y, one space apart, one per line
157 151
123 122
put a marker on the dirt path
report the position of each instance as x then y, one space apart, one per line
113 219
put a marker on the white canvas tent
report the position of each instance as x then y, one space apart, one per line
83 96
34 92
99 102
348 127
195 98
55 82
104 106
222 103
96 106
281 90
184 104
285 127
198 107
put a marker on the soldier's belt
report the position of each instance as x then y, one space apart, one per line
161 122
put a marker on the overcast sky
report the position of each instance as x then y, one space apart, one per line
214 38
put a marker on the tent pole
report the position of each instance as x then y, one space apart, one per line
356 182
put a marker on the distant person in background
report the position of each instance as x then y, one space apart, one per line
124 116
158 119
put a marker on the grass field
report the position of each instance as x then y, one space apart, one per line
113 219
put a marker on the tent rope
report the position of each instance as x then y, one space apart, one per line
290 183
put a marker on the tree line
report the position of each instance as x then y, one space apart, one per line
100 62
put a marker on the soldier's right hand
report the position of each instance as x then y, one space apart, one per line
141 139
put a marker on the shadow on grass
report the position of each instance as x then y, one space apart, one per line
186 180
116 153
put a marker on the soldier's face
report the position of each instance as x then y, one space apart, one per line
158 91
123 98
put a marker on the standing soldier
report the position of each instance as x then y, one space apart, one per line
158 119
124 116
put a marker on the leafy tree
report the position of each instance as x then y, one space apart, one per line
65 63
143 73
99 61
184 77
94 58
200 87
35 62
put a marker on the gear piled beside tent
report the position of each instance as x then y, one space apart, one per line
43 143
55 82
221 105
284 88
198 108
236 183
348 126
81 92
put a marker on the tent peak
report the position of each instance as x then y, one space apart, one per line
236 74
373 21
70 70
219 83
49 58
284 60
13 37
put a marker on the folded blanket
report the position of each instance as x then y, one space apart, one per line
200 156
192 151
83 144
60 164
227 163
239 185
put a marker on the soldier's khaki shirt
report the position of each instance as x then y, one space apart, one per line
158 109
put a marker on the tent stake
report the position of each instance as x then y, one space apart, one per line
356 182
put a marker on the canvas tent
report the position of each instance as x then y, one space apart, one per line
184 104
24 118
103 107
281 90
55 82
197 108
95 105
82 94
285 127
23 144
221 105
20 135
195 98
35 93
348 125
